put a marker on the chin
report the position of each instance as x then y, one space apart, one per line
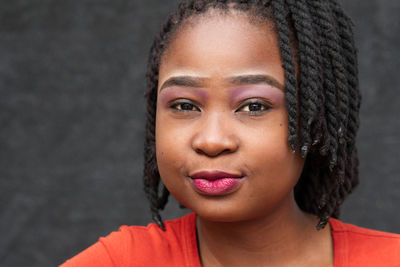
222 212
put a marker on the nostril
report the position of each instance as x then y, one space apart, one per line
213 153
214 138
199 151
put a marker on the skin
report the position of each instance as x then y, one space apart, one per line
214 68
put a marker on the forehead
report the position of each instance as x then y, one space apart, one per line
217 43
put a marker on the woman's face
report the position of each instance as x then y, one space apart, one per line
221 123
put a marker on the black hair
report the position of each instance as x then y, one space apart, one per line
322 97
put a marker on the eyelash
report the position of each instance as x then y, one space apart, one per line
264 106
178 106
174 106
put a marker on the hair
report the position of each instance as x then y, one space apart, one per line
322 96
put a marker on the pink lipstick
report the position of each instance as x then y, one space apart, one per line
215 183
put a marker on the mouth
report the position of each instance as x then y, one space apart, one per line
216 183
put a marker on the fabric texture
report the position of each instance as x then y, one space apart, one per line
355 246
177 246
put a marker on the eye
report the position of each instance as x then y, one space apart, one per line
254 107
184 106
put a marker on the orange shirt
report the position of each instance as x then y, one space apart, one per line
177 246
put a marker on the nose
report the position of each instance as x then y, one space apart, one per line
215 136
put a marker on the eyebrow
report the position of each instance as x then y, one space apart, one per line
186 81
255 79
196 82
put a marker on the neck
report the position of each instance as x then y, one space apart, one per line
281 235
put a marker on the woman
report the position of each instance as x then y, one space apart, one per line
251 123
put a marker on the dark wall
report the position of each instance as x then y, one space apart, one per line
72 122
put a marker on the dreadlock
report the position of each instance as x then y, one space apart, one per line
322 97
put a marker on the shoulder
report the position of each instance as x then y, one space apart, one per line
364 247
139 245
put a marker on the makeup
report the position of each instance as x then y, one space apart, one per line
272 94
215 183
175 92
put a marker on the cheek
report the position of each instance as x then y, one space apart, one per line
170 153
271 141
165 146
272 157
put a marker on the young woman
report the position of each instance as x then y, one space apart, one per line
251 123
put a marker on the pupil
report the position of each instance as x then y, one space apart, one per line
254 107
186 106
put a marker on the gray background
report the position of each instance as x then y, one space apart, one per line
72 119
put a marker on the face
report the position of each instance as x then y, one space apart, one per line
221 122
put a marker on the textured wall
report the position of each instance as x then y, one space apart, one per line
72 117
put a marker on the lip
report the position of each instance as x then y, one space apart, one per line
216 183
214 175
